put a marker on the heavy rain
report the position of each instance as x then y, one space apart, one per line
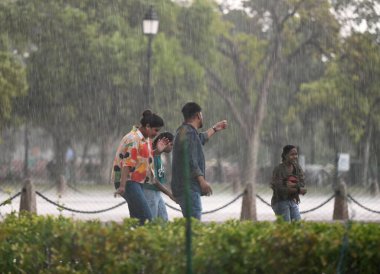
76 76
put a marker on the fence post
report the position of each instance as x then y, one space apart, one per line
28 197
246 208
340 204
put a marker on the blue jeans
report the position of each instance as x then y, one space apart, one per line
195 205
137 204
288 210
156 204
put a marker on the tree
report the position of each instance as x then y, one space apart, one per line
358 15
13 83
86 74
247 64
58 34
348 94
12 86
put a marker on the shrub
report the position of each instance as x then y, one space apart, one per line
45 244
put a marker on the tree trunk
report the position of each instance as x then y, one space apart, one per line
313 144
106 157
84 155
219 171
60 147
254 142
246 163
367 149
248 211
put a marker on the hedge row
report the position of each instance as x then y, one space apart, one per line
41 244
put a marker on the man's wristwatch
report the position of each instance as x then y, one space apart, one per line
214 128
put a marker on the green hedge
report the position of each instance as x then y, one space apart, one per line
40 244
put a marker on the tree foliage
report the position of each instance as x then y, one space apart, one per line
12 86
348 93
88 64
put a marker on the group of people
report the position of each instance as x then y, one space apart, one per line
138 172
139 175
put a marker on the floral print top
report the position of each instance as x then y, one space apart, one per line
135 152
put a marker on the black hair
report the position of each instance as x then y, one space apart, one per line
148 117
190 109
165 134
285 150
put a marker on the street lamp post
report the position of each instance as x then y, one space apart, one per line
26 152
150 28
23 57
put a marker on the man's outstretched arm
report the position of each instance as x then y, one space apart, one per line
217 127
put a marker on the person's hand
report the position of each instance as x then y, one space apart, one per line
291 184
220 125
303 191
120 191
206 188
162 144
173 199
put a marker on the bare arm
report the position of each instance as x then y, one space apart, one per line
123 180
205 186
163 189
217 127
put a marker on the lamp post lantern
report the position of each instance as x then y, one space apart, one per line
150 28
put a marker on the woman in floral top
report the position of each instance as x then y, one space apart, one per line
133 164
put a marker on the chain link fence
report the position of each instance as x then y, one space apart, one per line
98 202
